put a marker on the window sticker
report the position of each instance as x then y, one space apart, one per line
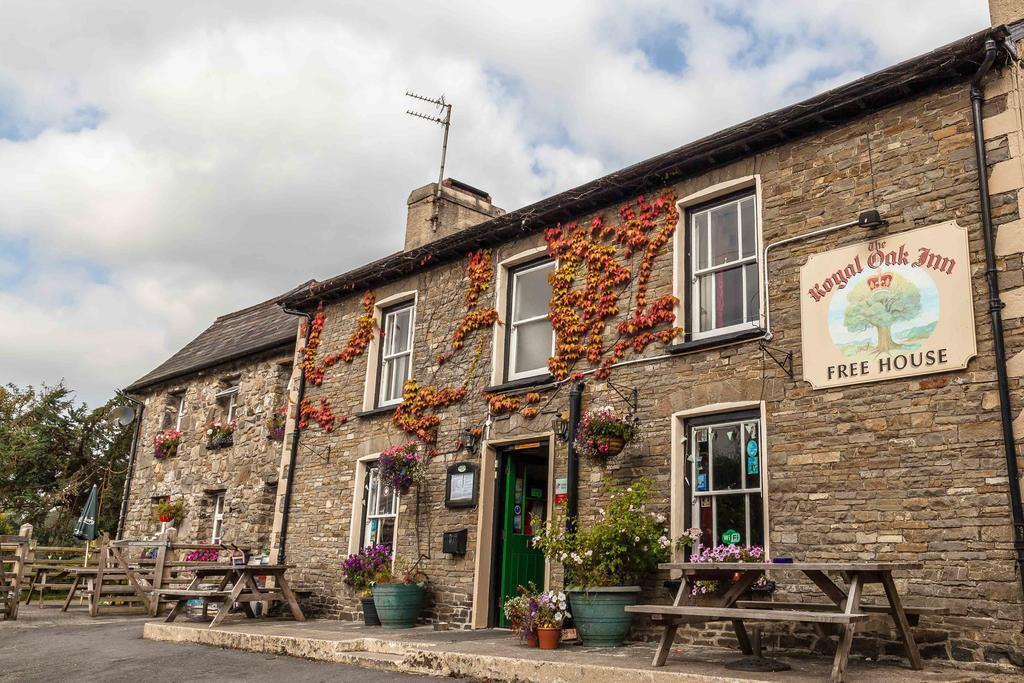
753 462
702 481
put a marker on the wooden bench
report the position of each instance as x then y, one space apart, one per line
695 614
913 612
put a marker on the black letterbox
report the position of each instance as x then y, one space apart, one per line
454 542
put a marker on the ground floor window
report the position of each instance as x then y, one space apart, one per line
724 488
380 511
218 518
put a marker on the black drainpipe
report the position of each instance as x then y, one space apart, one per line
995 308
573 476
295 441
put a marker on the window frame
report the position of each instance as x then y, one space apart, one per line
218 518
181 411
510 375
382 356
230 398
752 319
692 496
369 467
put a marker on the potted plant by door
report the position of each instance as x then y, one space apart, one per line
360 571
398 595
549 610
601 433
606 559
519 615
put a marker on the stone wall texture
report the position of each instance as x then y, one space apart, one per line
907 469
245 472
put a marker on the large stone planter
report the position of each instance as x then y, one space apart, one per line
600 615
398 604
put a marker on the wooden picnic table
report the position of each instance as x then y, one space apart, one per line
245 589
845 607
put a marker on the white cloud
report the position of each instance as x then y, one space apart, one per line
244 147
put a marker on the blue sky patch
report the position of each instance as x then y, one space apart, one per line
663 50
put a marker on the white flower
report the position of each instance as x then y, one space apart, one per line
561 595
636 539
536 539
562 605
209 431
558 616
589 553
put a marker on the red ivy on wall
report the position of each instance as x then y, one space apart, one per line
366 325
322 415
590 279
413 414
479 272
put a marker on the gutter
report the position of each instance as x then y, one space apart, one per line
131 463
995 308
287 503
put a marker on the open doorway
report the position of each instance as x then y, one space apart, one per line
520 506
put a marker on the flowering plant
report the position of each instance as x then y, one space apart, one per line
170 511
548 610
404 574
166 444
220 433
203 555
401 467
726 553
517 610
362 569
690 538
623 545
276 422
600 429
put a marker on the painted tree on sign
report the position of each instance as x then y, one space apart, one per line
880 302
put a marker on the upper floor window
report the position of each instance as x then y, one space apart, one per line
531 339
395 357
180 416
724 290
228 399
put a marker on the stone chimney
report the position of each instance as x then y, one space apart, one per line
460 207
1005 11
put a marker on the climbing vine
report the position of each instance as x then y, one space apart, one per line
590 279
599 263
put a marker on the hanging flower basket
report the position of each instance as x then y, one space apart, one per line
165 444
275 424
602 433
401 467
220 434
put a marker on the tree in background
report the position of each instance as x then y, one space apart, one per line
52 450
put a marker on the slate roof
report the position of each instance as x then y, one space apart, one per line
955 62
252 330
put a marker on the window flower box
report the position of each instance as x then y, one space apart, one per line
165 444
220 434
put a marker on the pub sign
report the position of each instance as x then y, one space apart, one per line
895 306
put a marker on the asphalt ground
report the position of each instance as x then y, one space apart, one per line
49 646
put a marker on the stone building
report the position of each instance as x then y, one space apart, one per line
842 466
236 371
728 294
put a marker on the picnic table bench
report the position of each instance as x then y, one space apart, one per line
845 609
245 589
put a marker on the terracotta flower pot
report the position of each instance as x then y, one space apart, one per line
549 638
532 639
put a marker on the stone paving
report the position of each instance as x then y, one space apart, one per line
497 656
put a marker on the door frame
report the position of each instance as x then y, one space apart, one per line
484 572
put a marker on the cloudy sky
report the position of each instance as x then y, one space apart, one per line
165 162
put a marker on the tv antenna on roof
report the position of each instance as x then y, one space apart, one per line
443 117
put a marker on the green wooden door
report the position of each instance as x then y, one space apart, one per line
525 497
